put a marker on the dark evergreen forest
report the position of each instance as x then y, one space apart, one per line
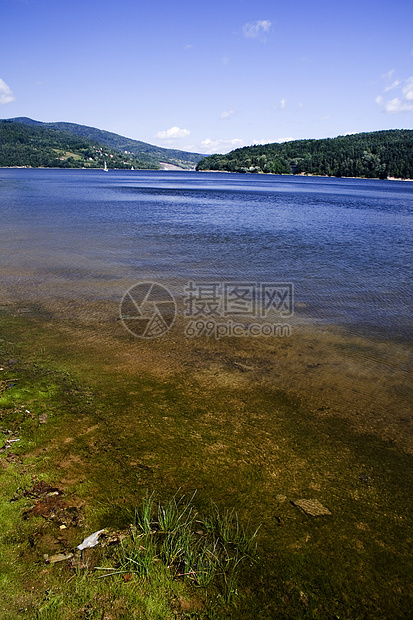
379 154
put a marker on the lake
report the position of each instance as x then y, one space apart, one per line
258 425
345 244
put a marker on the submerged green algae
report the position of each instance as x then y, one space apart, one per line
118 424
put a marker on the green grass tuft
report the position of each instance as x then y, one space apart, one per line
201 557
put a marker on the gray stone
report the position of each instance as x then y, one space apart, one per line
312 507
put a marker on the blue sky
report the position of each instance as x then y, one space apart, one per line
209 76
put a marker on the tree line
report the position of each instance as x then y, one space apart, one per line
378 154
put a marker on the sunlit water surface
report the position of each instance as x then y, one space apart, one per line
345 244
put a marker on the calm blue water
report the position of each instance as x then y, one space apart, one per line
346 244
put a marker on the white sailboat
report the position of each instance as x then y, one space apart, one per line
105 167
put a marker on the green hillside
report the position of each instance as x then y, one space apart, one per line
155 154
379 154
38 146
26 142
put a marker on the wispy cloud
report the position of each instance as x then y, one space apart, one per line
227 114
402 103
6 94
173 133
262 141
220 146
272 140
281 106
388 76
255 30
392 85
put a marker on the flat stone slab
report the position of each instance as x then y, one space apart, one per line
312 507
60 557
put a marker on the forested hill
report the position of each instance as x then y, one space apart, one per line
135 147
379 154
36 146
26 142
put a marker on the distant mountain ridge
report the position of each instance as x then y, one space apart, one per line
376 154
140 154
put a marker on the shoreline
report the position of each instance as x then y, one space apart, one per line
177 169
304 174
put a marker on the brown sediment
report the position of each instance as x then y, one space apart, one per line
333 373
336 373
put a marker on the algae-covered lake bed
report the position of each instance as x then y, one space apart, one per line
251 425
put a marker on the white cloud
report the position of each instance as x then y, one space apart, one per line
263 141
6 95
281 106
396 105
402 103
253 30
407 90
388 75
209 146
272 140
172 133
227 114
392 85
